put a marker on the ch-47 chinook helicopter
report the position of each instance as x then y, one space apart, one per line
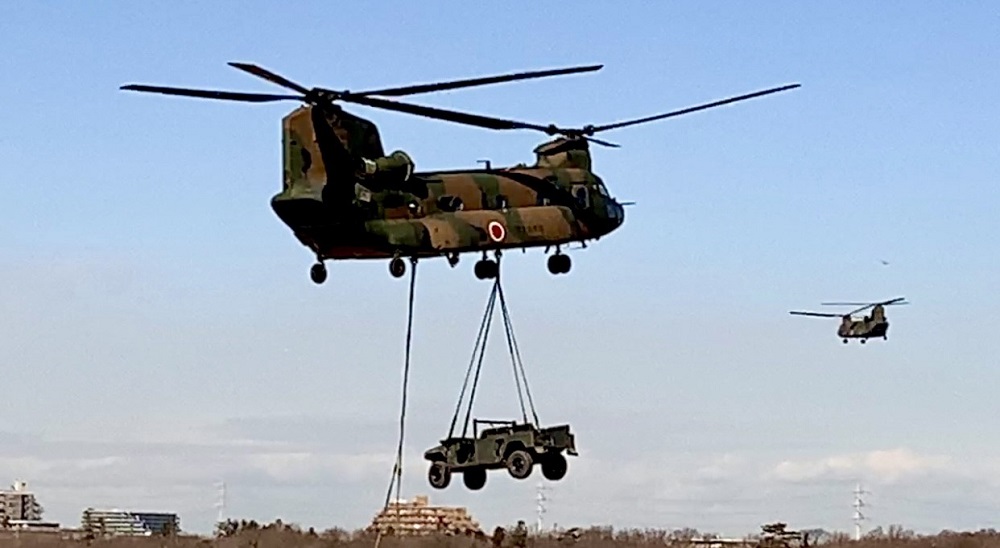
343 198
876 325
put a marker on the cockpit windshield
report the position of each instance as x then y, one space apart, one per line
599 188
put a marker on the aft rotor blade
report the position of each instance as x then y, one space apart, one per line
604 143
862 309
897 300
692 109
213 94
261 72
469 82
442 114
820 314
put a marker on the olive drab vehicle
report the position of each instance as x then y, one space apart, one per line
774 535
508 444
867 327
343 197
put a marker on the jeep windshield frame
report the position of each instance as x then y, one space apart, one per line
490 422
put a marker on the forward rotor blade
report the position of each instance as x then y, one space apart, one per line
261 72
442 114
469 82
819 314
691 109
213 94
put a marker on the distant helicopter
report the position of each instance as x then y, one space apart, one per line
876 325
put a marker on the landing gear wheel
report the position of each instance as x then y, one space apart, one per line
863 341
439 475
474 478
845 341
318 273
453 260
519 464
559 263
397 267
486 269
554 467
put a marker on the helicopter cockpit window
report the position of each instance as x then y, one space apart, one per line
502 202
581 195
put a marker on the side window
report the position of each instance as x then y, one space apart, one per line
502 202
450 203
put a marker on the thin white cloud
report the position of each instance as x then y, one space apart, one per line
728 493
304 464
887 466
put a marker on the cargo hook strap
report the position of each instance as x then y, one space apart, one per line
397 470
479 352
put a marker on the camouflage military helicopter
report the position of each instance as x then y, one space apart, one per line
343 198
876 325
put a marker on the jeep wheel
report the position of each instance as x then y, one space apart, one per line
554 467
474 478
519 464
439 475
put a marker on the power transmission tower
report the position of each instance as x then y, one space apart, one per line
221 503
858 516
541 500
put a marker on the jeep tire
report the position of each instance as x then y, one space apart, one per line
554 467
519 463
474 478
439 475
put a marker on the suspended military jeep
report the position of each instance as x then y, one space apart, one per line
516 447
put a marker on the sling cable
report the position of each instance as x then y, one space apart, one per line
518 447
397 469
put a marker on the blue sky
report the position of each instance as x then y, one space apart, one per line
160 332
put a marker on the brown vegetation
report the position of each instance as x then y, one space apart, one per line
281 535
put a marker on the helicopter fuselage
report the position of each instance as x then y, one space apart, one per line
452 217
866 328
346 216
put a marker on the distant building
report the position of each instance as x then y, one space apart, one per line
18 504
418 517
121 522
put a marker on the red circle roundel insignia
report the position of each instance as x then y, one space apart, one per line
497 231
